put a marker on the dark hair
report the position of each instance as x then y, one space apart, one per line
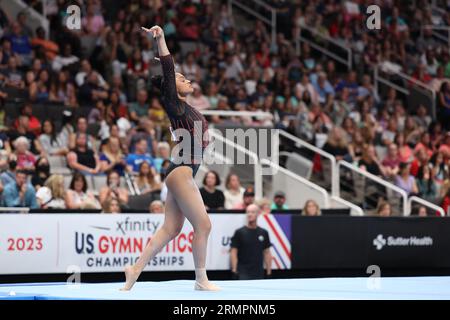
216 175
157 82
402 166
108 176
22 171
78 176
227 181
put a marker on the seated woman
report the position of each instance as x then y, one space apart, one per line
112 157
384 209
404 180
156 206
147 180
77 197
212 197
233 191
53 193
82 158
113 189
50 142
311 209
111 205
25 159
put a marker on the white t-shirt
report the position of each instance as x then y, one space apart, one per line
232 199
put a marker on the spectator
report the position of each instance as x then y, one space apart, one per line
156 206
20 43
279 201
248 198
370 163
112 157
265 204
426 185
140 155
422 211
53 193
311 209
233 191
13 76
147 179
82 158
20 193
25 159
212 197
405 181
113 190
62 90
250 249
50 142
49 47
405 152
392 161
337 143
384 209
197 99
445 203
41 174
65 60
34 125
82 127
91 90
111 205
78 197
139 108
162 153
9 175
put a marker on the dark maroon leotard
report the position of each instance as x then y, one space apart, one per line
181 114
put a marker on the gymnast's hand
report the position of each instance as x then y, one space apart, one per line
156 31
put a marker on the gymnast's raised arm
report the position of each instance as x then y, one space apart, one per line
171 100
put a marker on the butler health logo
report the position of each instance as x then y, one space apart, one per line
381 242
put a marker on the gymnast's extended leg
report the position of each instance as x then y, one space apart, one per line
182 185
173 223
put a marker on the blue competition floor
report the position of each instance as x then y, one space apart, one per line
434 288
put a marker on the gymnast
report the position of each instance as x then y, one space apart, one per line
183 197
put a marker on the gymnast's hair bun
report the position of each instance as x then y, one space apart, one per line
157 82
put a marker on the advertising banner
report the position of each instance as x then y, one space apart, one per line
60 243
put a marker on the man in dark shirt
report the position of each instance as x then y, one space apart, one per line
250 249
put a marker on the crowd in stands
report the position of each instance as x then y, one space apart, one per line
107 65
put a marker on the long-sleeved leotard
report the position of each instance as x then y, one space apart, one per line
181 114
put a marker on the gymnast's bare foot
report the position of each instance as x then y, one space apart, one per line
131 276
206 286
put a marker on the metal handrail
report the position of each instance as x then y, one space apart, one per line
347 62
359 211
404 76
300 179
257 168
272 21
373 177
329 156
426 204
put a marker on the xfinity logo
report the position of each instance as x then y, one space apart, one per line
379 242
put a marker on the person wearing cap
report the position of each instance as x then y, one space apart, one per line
279 200
247 199
250 249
